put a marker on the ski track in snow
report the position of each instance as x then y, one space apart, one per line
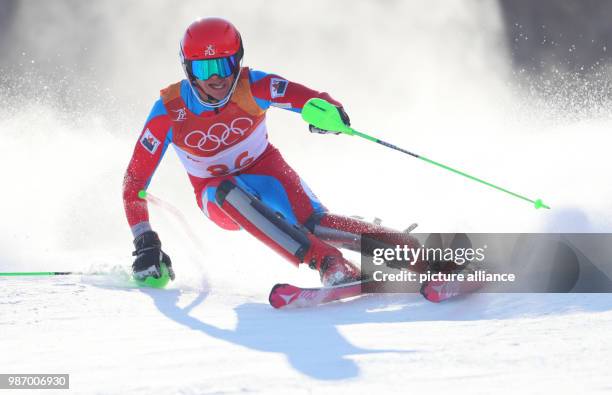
213 331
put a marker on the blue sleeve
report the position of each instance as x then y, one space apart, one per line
274 90
254 76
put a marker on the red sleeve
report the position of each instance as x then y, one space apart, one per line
280 92
149 150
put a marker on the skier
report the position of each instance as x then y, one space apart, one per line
215 119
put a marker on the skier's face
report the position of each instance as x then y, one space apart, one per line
216 86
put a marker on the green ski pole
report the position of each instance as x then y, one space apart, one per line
20 274
150 282
325 115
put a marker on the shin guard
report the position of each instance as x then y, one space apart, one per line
293 242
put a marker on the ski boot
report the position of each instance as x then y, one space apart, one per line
336 270
438 291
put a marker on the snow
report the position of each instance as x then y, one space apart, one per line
113 340
213 331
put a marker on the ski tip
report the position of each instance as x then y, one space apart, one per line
426 292
282 294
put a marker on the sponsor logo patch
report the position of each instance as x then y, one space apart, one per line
278 87
210 50
149 142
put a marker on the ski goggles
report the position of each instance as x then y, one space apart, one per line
206 68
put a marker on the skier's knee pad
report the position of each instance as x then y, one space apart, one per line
270 227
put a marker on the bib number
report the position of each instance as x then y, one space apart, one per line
241 161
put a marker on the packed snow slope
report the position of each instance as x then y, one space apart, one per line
431 77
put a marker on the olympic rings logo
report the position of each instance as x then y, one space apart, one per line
218 135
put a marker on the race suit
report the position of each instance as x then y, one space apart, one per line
231 143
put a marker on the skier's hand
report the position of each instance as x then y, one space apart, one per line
344 116
314 129
149 255
345 119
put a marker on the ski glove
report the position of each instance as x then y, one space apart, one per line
343 115
148 256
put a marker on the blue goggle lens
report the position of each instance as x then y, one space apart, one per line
206 68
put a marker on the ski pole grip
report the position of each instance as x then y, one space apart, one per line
324 115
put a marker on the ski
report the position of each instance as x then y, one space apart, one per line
439 291
287 295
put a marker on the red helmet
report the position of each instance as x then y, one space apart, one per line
210 38
211 46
